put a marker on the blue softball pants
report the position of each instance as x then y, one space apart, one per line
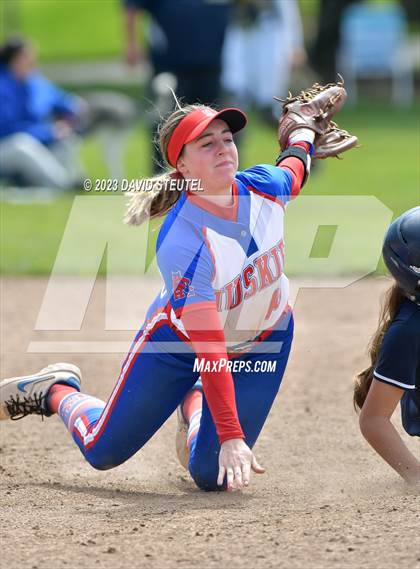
154 381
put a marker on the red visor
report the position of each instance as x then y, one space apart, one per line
196 122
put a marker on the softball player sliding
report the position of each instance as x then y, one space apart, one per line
222 316
394 373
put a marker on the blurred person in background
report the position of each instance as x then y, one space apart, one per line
38 145
185 48
324 49
264 43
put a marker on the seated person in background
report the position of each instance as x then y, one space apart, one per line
38 145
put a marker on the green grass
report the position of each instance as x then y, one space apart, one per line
97 25
30 236
54 25
386 166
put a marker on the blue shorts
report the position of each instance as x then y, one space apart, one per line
410 412
151 386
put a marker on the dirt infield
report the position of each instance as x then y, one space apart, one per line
326 501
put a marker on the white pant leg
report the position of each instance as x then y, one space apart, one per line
272 62
66 151
113 141
256 61
235 64
24 156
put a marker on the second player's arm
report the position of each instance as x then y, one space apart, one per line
378 430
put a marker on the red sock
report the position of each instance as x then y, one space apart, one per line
193 402
56 395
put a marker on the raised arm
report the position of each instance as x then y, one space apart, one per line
296 158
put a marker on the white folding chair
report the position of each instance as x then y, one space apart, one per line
374 45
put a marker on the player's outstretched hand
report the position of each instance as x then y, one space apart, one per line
236 460
314 109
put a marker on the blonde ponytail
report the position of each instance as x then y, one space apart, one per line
155 202
159 197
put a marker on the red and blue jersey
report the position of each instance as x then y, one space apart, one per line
223 271
231 257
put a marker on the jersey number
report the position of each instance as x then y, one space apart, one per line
274 303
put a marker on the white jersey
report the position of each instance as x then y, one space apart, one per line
235 261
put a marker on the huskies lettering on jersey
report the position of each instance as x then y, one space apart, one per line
181 286
234 292
266 269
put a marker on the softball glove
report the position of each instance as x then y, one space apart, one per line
314 109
